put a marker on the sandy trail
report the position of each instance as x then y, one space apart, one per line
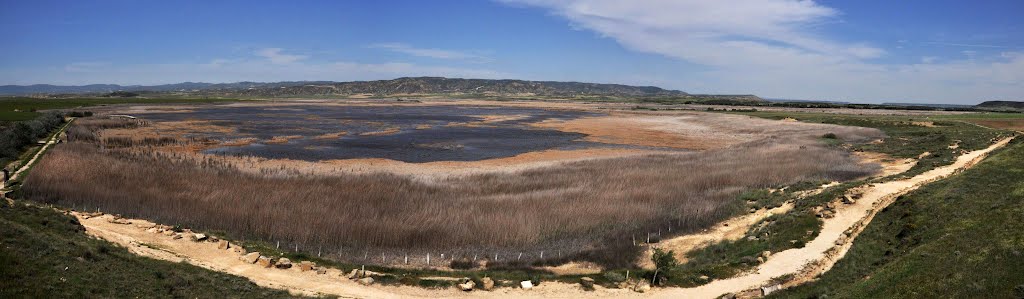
206 254
732 229
822 252
49 143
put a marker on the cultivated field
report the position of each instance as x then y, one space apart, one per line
506 213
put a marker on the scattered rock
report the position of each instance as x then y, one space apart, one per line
353 274
265 262
728 296
526 284
840 242
642 287
765 254
198 237
168 232
467 286
849 200
587 282
770 289
284 263
704 278
366 281
760 260
177 236
223 245
238 249
306 266
213 239
752 238
153 230
250 258
145 226
488 283
321 271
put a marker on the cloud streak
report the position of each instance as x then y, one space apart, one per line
431 53
776 48
275 56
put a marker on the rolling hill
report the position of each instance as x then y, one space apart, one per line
393 87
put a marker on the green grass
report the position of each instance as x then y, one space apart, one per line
906 140
962 237
800 225
22 108
46 254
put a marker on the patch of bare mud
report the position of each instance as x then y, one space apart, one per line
329 136
282 139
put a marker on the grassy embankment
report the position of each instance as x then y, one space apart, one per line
962 237
46 254
908 137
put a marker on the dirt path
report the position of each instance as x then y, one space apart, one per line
831 244
49 142
732 229
133 234
818 256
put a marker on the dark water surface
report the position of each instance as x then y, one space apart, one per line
440 142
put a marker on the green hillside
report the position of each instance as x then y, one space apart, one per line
962 237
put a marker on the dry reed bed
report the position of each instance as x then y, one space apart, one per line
584 210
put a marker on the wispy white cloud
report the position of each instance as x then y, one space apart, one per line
83 67
431 53
275 56
967 45
776 48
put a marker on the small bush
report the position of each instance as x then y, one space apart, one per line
614 277
462 264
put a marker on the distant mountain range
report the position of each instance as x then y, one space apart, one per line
400 86
416 85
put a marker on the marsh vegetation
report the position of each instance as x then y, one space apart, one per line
587 210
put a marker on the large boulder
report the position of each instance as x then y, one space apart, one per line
223 245
487 283
198 237
467 286
251 257
366 281
283 263
306 266
265 262
526 284
587 282
642 287
353 274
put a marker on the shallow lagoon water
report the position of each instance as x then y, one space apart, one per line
396 132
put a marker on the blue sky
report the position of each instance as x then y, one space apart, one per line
865 51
